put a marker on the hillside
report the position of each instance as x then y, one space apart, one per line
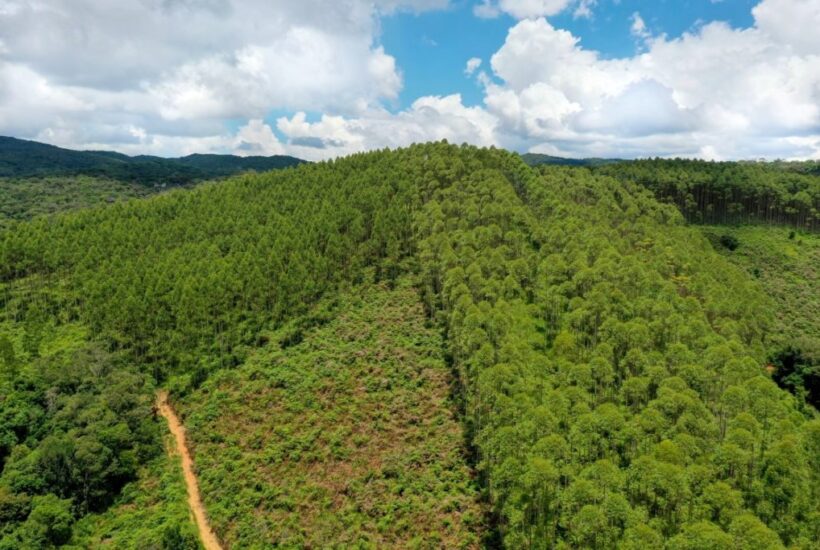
340 431
26 159
331 333
22 199
787 266
731 192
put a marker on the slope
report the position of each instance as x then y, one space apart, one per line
177 430
340 432
151 512
730 192
22 199
786 265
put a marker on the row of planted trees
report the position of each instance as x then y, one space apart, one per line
728 192
613 369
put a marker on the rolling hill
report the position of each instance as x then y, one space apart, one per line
25 159
438 346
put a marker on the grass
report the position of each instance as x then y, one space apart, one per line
340 432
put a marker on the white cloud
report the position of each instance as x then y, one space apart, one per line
791 22
472 65
85 67
487 9
638 28
584 8
429 118
257 138
524 9
729 92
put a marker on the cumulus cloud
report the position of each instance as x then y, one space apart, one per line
429 118
163 64
716 92
717 89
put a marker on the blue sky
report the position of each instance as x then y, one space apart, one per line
432 47
716 79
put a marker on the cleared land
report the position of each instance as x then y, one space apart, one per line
339 433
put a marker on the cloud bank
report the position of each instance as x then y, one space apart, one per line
179 76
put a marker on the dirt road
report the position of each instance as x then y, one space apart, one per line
206 534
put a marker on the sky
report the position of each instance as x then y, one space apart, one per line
317 79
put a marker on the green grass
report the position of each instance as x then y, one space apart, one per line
788 270
339 433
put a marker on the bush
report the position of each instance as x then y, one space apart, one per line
729 241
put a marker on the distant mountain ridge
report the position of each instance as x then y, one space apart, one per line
536 159
23 158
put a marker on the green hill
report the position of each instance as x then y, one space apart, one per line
25 159
38 179
437 346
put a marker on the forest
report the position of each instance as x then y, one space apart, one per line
436 346
731 192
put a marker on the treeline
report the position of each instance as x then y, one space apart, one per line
611 363
185 280
730 192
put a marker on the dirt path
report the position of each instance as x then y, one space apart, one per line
206 534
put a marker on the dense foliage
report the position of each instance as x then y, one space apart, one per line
610 365
614 369
151 513
786 263
26 159
731 192
75 424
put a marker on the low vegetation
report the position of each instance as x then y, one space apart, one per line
23 199
339 432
